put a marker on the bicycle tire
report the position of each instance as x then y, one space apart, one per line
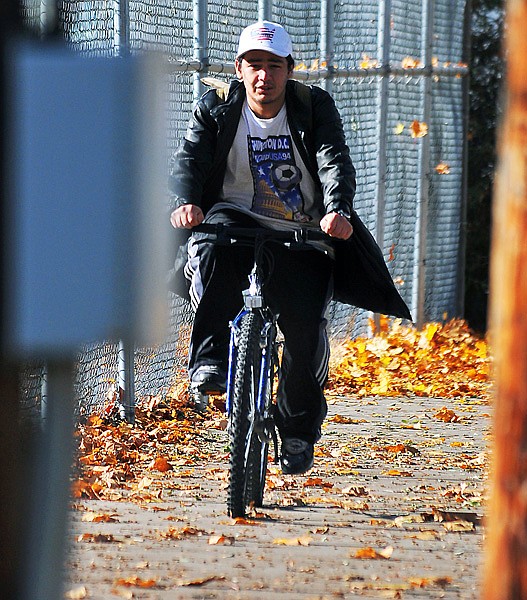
248 454
255 471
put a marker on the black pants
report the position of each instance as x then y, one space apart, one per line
299 289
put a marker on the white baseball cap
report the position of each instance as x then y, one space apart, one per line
265 35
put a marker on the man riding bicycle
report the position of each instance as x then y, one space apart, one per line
273 154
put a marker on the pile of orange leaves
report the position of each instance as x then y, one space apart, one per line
439 360
113 456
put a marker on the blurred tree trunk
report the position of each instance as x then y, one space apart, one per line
505 576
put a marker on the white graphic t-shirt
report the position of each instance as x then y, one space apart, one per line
266 176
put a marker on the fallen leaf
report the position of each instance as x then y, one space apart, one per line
201 581
442 168
317 482
397 473
450 516
447 415
422 582
458 526
97 538
411 63
135 581
77 594
367 62
425 535
355 490
244 521
221 540
371 553
320 530
162 464
418 129
396 448
345 420
83 489
123 593
398 129
178 533
92 517
298 541
413 518
144 483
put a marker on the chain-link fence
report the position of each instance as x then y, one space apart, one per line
395 69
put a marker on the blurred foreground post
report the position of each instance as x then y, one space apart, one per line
12 458
12 478
505 575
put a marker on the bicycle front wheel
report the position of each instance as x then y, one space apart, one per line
248 454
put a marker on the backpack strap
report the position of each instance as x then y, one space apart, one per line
302 91
304 95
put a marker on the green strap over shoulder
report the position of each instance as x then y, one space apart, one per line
220 87
222 93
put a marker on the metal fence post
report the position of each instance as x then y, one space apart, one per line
49 17
201 44
125 356
423 178
383 53
126 381
327 40
44 394
265 10
461 266
121 28
383 58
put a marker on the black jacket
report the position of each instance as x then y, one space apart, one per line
361 276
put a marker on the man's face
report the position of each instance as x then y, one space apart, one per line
264 76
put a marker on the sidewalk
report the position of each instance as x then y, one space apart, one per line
392 509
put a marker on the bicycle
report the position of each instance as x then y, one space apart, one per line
253 367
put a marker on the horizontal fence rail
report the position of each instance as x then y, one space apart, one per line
178 65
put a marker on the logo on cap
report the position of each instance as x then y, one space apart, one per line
263 34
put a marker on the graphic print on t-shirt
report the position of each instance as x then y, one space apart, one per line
276 178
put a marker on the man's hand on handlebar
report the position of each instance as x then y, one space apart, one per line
333 224
336 226
186 216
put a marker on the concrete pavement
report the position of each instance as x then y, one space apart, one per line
392 509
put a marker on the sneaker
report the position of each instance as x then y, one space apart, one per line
209 379
297 456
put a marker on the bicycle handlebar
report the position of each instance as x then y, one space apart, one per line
302 235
